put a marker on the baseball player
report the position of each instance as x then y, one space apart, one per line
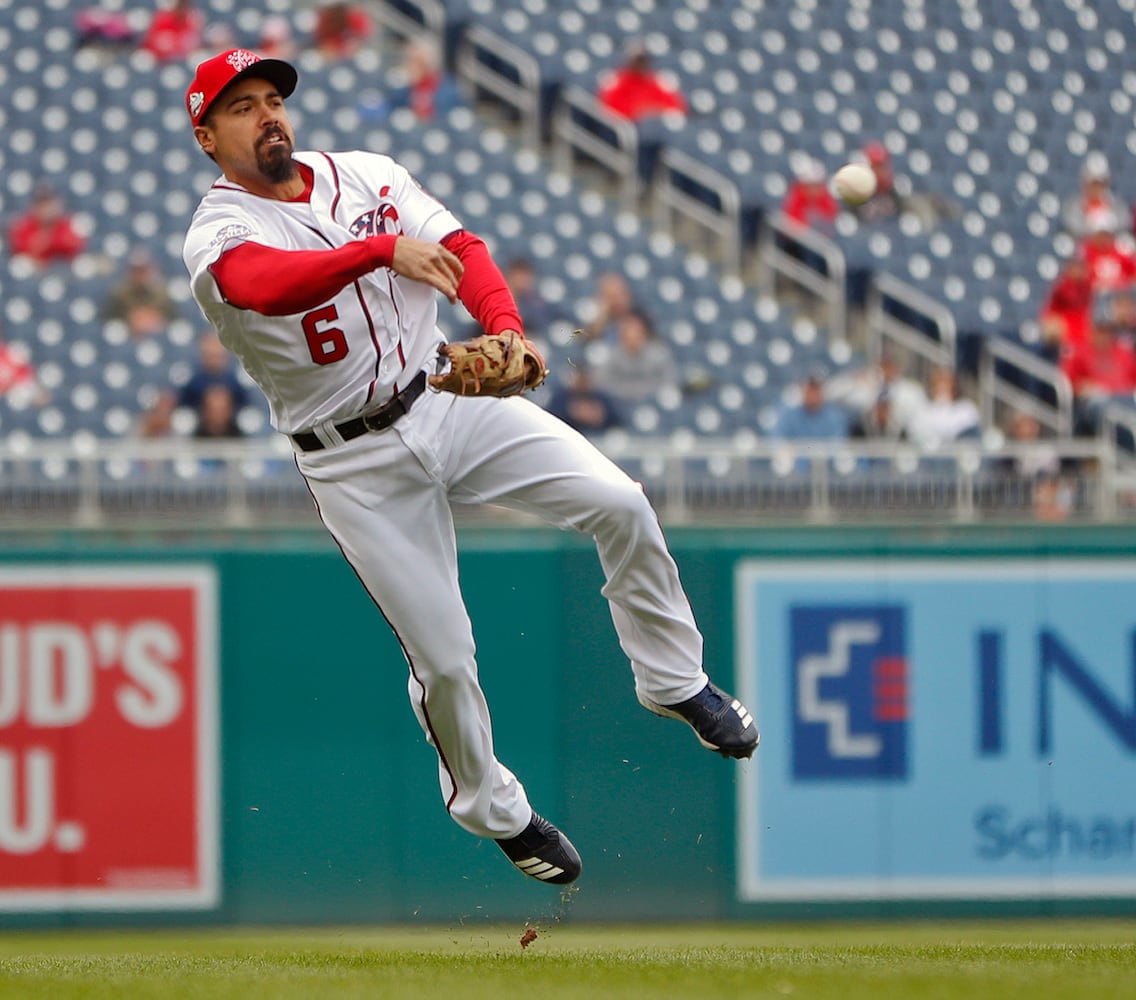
320 272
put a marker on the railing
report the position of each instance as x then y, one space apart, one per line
809 259
581 125
1011 377
408 18
902 316
1118 428
490 63
685 186
132 485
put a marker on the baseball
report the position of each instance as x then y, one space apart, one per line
854 183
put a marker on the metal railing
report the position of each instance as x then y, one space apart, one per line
408 18
685 186
810 260
488 62
1012 378
920 326
583 126
131 485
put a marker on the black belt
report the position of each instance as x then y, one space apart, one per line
377 420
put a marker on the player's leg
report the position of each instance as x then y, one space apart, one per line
513 453
392 520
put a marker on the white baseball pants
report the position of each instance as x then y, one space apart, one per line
386 499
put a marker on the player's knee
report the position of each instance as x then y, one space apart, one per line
449 676
624 506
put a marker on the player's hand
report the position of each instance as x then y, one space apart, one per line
430 263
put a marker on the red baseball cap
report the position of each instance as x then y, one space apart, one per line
215 74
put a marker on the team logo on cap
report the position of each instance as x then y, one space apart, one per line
242 59
196 100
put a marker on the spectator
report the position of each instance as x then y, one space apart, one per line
215 366
1041 459
947 415
581 405
1053 498
1094 195
156 420
1103 366
1036 464
929 207
1065 314
141 299
537 314
341 29
217 413
859 391
174 33
885 203
814 417
878 422
612 301
635 90
808 200
638 365
1111 262
45 232
429 91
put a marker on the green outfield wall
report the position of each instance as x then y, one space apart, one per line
203 729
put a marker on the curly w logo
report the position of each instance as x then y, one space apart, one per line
383 219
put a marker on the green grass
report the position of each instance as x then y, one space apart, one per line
1085 960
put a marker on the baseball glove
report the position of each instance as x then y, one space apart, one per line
503 364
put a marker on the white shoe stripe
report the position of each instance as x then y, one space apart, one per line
538 868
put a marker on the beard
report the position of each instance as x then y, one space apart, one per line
275 162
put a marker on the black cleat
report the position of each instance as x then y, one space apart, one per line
542 852
721 722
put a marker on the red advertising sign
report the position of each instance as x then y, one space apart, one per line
108 736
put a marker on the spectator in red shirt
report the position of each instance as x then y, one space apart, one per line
636 91
1112 264
45 232
341 29
808 200
174 33
1067 309
1102 367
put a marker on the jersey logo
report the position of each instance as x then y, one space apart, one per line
233 231
383 219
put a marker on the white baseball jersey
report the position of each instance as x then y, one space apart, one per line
328 363
387 496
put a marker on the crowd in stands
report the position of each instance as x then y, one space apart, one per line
623 353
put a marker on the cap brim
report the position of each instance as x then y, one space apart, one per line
280 74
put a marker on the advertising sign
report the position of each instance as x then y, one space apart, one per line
108 737
938 729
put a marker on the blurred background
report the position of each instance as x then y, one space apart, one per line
894 445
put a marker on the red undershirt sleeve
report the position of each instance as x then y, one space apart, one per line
276 282
482 289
